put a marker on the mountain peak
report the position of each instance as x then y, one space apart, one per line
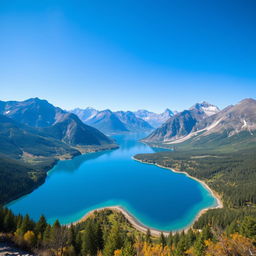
205 107
247 101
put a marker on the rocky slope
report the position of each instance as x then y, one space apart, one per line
53 121
132 122
154 119
113 122
234 125
178 125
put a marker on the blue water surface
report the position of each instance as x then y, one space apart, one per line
156 197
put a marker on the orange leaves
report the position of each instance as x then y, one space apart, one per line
236 244
146 249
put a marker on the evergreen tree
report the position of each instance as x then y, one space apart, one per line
148 237
47 236
248 227
199 246
26 225
89 242
232 228
190 238
170 239
99 236
114 241
9 224
128 248
162 240
206 233
41 225
181 245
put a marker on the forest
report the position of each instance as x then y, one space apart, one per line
230 230
108 233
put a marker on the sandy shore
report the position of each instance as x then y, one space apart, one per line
139 226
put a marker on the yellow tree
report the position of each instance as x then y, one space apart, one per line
30 238
236 244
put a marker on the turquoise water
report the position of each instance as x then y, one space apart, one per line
156 197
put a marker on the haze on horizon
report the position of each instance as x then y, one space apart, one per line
128 55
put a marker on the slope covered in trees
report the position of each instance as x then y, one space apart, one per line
107 233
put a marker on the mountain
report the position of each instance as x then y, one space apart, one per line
106 121
32 112
113 122
53 121
19 140
207 108
71 130
34 134
154 119
178 125
133 123
85 114
234 125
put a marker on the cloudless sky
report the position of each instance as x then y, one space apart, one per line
128 54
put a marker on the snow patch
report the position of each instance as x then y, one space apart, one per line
211 110
192 134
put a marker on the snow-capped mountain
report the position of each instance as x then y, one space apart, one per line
132 122
207 108
154 119
85 114
183 123
113 122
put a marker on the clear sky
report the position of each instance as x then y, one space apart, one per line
128 54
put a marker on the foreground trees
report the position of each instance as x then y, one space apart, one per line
108 233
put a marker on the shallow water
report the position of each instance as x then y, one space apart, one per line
156 197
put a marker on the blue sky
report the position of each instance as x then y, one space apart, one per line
128 54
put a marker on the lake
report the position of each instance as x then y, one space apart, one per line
156 197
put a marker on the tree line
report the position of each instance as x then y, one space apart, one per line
108 233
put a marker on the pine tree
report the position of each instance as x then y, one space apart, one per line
47 236
190 238
148 237
26 225
206 233
89 243
9 224
114 241
199 246
162 240
41 225
248 227
128 248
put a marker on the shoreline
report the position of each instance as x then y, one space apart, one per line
206 186
155 232
131 219
48 169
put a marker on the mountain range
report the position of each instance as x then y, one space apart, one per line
154 119
204 125
111 122
34 134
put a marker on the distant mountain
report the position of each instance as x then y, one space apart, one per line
85 114
206 108
234 125
34 134
182 123
113 122
53 121
107 122
32 112
18 140
71 130
133 123
154 119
